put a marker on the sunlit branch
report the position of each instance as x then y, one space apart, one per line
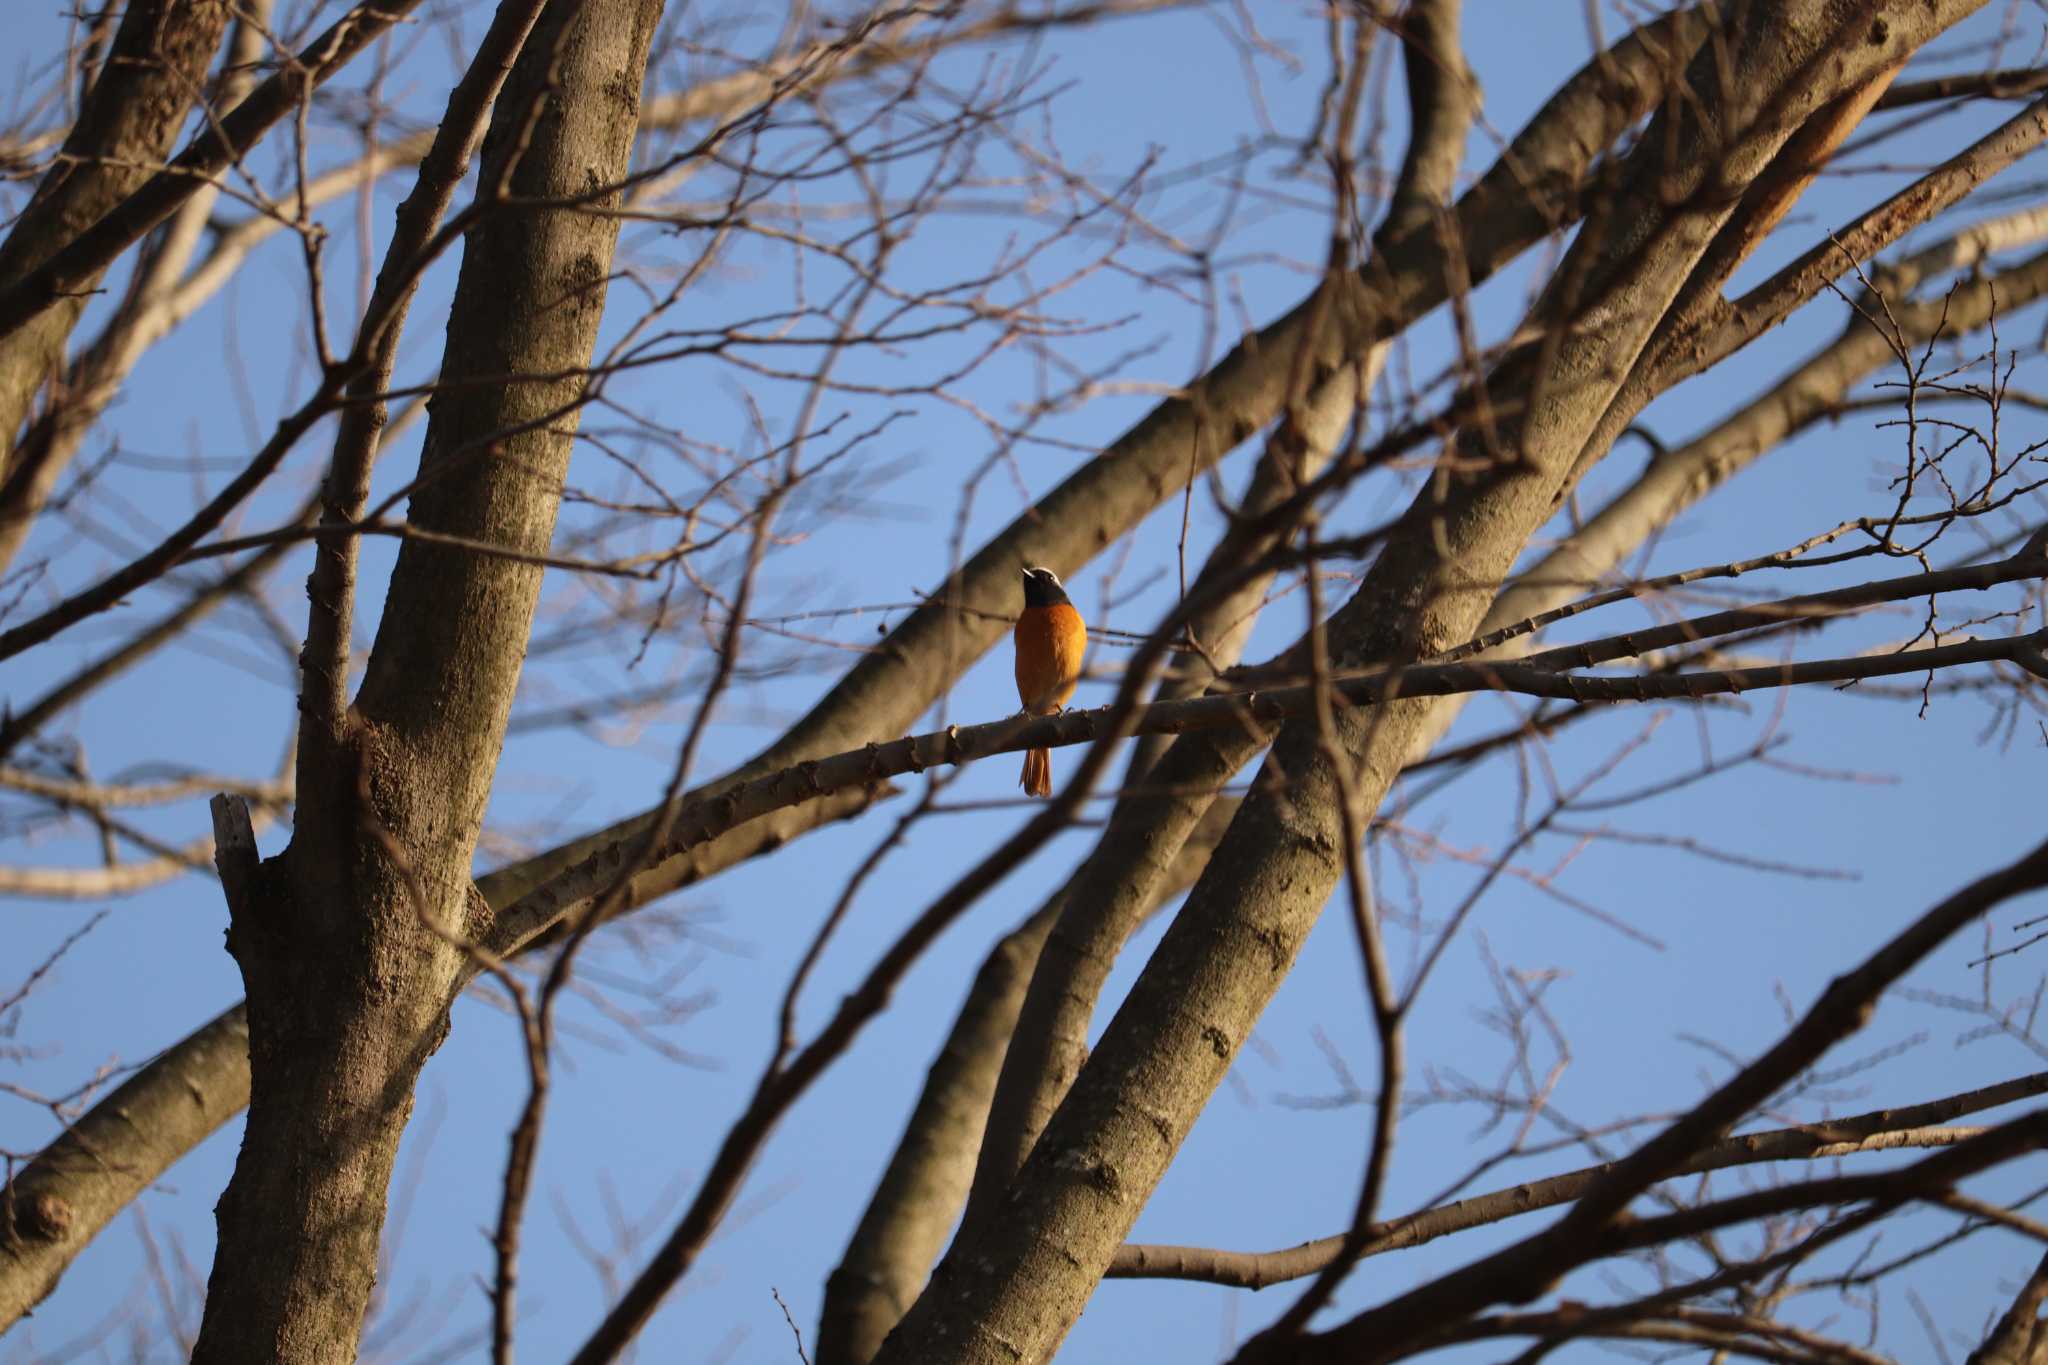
1880 1130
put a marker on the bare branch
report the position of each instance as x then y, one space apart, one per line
2017 1339
1520 1270
324 661
87 253
1880 1130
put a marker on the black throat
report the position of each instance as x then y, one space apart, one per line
1042 591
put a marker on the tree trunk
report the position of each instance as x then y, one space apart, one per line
345 939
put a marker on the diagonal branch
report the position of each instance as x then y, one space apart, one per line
91 251
1533 188
127 128
17 726
919 1195
2019 1335
331 589
708 818
1521 1271
1880 1130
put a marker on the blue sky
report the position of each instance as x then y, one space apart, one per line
1273 1162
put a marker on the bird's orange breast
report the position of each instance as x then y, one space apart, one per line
1050 643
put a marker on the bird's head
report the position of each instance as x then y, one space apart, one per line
1042 587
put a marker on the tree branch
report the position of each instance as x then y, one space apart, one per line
708 819
1521 1271
2018 1337
331 589
919 1195
73 268
1880 1130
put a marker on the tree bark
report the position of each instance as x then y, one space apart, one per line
347 944
2021 1337
76 1185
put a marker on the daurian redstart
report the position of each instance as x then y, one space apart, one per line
1051 637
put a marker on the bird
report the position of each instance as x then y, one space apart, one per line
1050 637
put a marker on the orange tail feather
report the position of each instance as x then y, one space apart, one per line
1037 779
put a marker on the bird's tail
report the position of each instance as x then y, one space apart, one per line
1037 780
